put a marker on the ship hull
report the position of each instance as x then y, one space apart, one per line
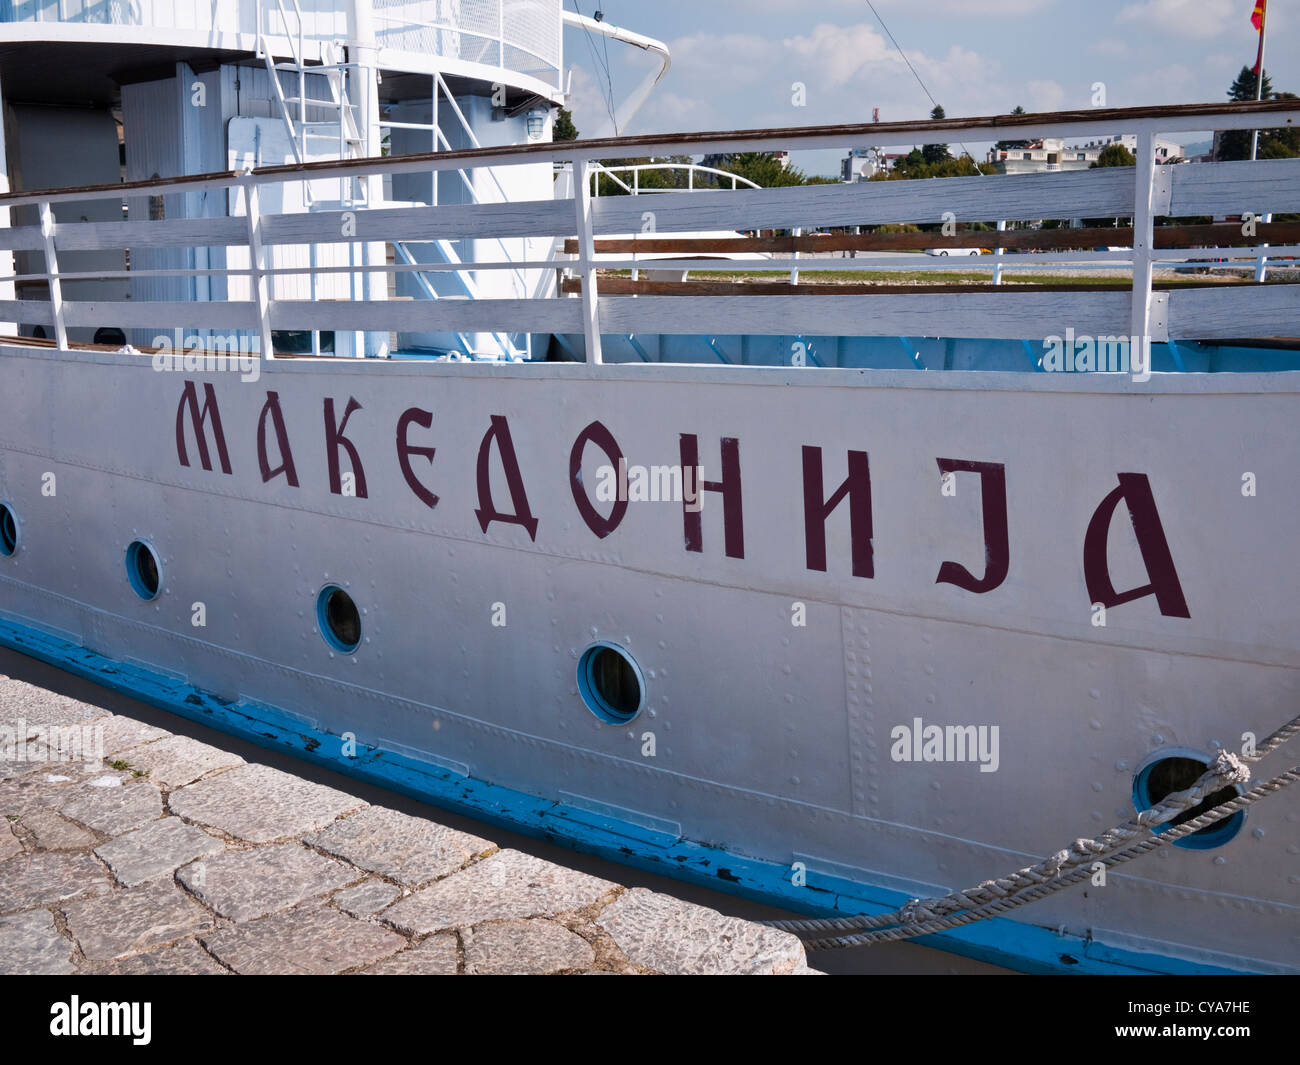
794 644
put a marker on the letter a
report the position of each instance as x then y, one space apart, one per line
1135 490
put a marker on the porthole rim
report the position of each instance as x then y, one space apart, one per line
592 700
6 504
333 642
133 573
1220 833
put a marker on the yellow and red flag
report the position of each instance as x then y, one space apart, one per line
1257 20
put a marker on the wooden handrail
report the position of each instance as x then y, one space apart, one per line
618 286
1220 234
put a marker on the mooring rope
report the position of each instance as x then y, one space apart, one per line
1122 843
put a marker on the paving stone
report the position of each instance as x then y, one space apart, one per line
178 760
37 706
675 937
40 879
30 945
157 849
435 956
115 810
51 832
261 804
312 939
507 884
9 843
528 948
407 849
186 958
126 922
368 897
123 732
37 791
65 759
243 885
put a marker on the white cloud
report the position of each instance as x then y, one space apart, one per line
1109 46
741 80
1045 96
1184 18
951 8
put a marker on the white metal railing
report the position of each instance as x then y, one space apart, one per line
637 169
523 36
1142 193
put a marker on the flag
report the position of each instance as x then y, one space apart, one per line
1257 20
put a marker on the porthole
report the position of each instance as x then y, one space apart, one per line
338 619
8 530
610 683
143 570
1177 770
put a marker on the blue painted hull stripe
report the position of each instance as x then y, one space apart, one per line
1012 944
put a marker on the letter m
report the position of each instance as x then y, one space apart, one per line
199 422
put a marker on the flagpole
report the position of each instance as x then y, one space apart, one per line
1259 80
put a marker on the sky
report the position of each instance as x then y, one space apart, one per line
735 61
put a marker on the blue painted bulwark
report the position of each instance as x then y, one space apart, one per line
998 941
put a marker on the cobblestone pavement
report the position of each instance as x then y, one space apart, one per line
174 856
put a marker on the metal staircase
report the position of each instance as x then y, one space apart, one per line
312 122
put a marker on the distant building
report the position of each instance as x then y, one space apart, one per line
1050 154
1166 151
862 164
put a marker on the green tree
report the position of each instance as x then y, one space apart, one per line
564 129
1243 88
936 153
763 168
1273 143
1009 145
1115 155
913 166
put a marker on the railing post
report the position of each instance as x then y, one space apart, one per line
587 261
1143 237
1261 264
52 274
997 266
258 281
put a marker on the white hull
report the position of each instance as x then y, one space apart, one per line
771 739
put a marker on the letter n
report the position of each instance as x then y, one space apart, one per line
857 486
1135 490
271 409
729 488
487 512
334 439
199 420
997 547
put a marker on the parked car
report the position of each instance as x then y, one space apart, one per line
958 251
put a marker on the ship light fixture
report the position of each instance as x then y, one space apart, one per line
8 530
611 683
338 619
143 570
536 125
1175 770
